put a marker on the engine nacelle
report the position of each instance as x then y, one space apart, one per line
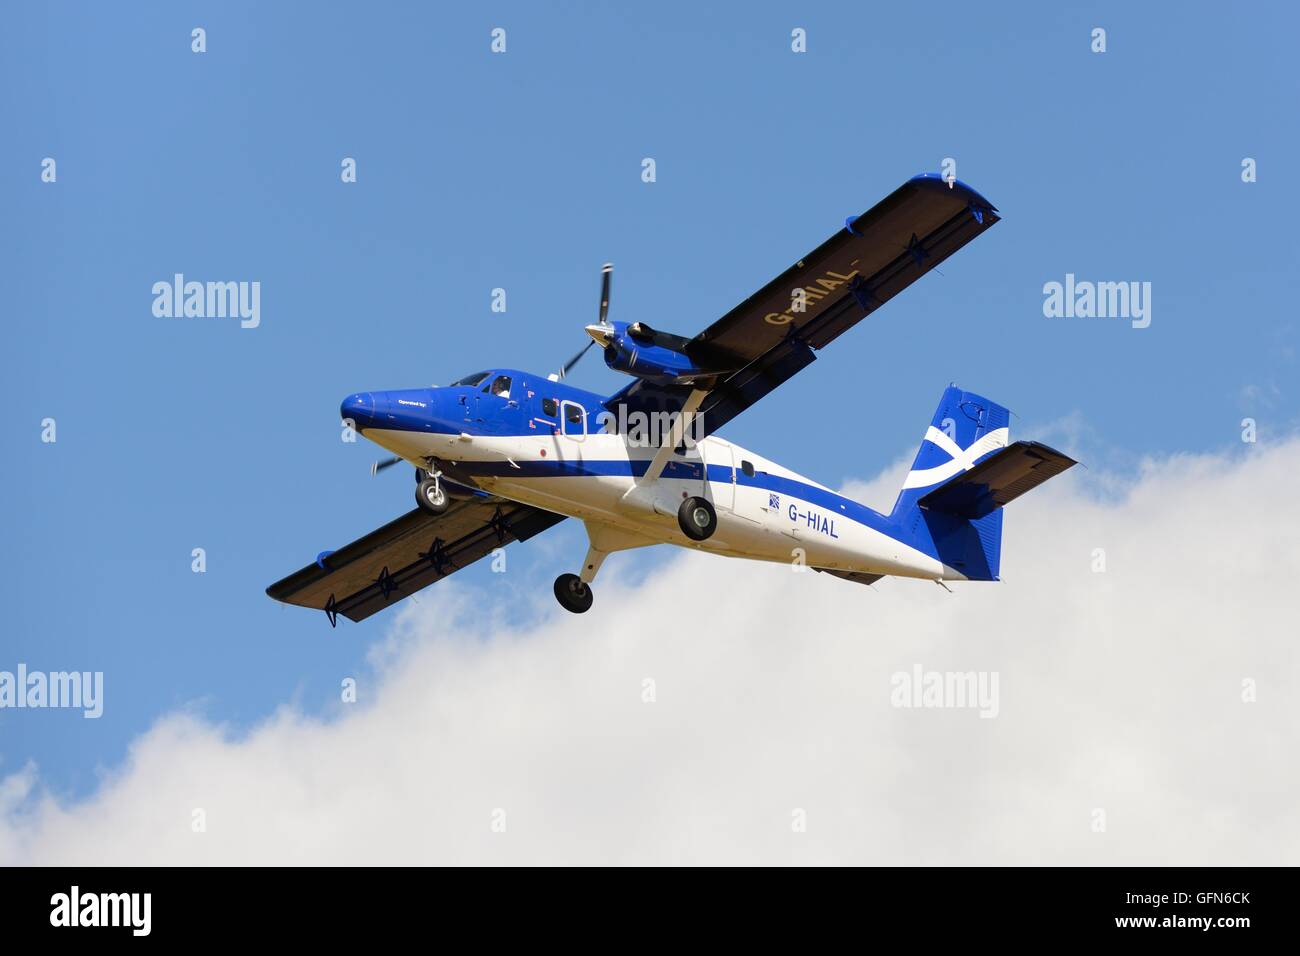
639 350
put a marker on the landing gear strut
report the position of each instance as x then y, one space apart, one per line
573 591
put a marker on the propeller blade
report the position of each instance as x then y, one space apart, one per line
379 466
604 291
574 361
604 321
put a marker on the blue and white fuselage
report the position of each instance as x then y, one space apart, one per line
526 438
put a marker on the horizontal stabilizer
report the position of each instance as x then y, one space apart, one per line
998 479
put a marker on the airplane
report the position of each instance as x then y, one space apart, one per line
502 455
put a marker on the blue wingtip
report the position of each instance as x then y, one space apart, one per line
936 181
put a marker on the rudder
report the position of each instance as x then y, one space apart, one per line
966 429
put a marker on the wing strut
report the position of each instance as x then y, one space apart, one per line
675 434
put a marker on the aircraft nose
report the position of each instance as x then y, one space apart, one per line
359 408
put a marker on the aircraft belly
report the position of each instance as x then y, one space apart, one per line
587 496
408 444
840 544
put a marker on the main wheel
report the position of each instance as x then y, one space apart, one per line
572 593
697 518
431 496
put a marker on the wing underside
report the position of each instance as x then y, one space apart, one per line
408 554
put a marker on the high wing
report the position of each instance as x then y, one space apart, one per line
408 554
767 339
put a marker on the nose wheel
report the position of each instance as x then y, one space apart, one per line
573 593
431 496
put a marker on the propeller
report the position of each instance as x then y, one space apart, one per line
574 361
604 321
604 292
379 466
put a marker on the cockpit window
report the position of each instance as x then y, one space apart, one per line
470 380
501 386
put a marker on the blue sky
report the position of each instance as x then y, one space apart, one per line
522 171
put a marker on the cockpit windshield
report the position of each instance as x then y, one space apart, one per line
470 380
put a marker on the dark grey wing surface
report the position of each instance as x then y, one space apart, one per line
408 554
767 338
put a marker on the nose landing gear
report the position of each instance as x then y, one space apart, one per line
431 495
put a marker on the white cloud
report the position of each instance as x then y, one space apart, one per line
1119 690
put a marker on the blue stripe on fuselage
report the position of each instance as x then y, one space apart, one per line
689 471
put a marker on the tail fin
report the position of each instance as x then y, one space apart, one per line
965 428
965 471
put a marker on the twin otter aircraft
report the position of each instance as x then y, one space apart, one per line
502 455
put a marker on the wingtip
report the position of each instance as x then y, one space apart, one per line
939 181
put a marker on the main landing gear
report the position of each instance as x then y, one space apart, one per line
573 593
698 521
697 518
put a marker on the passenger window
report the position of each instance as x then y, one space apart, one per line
748 468
549 407
501 387
575 420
